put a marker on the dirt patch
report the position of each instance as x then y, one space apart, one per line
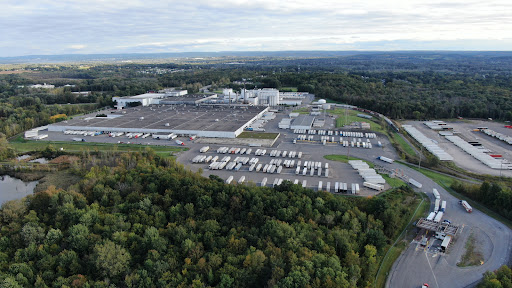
477 248
59 179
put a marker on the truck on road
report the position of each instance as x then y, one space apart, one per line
386 159
466 206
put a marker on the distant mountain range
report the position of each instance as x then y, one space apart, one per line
291 54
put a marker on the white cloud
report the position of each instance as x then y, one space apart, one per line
100 26
77 46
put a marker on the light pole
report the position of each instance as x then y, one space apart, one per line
421 153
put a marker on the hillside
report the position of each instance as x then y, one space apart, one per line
142 221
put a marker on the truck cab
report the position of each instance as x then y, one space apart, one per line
425 285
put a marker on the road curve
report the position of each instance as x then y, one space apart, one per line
415 266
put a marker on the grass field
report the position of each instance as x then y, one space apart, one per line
393 182
341 120
74 147
303 110
472 256
342 158
403 144
288 89
258 135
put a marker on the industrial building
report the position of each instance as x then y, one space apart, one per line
147 98
265 96
302 122
204 121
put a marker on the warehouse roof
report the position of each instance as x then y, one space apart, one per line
177 117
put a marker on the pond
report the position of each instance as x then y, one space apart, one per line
12 188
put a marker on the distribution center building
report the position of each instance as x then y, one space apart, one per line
217 121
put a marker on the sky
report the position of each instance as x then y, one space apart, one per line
53 27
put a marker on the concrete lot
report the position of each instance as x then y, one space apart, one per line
465 131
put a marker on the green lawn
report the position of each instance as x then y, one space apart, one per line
403 144
29 146
303 110
288 89
258 135
341 120
342 158
393 182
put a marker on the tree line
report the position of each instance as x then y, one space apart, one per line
138 220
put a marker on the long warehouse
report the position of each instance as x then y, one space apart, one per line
203 121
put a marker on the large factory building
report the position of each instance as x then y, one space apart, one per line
219 121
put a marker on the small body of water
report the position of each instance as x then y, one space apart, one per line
12 188
39 160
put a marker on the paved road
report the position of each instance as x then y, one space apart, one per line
415 266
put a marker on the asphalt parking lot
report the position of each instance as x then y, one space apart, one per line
464 130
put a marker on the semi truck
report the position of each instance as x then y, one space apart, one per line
180 143
415 183
438 217
436 193
466 206
386 159
443 206
436 205
373 186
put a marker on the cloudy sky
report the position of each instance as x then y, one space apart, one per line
36 27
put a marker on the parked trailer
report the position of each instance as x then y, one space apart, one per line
436 205
443 206
296 181
320 186
438 217
336 187
327 173
373 186
275 182
328 187
263 182
228 181
241 180
162 136
466 206
446 242
204 149
415 183
386 159
431 216
436 193
304 183
258 168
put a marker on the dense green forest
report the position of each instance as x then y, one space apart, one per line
500 278
493 195
137 220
